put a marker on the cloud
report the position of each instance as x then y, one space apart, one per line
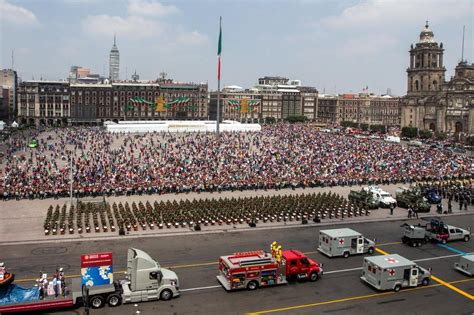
369 44
150 8
16 15
144 19
130 26
191 38
391 13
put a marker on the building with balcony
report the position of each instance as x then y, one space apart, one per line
44 103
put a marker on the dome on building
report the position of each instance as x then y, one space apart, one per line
426 35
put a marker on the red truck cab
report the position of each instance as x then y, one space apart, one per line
298 266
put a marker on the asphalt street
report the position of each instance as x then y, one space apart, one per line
340 291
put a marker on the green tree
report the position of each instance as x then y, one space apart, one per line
409 132
377 128
294 119
426 134
270 120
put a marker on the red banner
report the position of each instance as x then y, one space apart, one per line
96 260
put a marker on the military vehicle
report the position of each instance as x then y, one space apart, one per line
381 197
411 198
363 197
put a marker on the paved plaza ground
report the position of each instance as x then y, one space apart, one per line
22 221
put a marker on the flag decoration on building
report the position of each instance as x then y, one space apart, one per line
160 104
244 105
182 100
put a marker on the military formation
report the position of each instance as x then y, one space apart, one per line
104 217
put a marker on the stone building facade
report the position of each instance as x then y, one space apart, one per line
44 103
96 103
431 102
61 103
360 108
273 97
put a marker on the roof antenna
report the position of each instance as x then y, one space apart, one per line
462 52
13 58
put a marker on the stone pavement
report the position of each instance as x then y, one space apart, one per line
22 221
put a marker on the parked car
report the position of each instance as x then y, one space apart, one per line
415 143
432 196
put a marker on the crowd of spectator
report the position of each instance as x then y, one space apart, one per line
280 156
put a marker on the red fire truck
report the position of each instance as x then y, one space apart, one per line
255 269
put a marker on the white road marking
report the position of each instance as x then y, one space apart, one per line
439 257
342 270
201 288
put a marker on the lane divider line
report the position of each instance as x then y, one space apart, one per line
201 288
446 284
354 298
452 249
381 251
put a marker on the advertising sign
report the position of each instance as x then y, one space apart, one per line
97 269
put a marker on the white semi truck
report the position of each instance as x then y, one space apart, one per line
145 280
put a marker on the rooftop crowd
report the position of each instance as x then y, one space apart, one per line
280 156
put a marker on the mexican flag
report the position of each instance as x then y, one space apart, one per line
219 50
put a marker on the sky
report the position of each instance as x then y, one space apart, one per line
336 46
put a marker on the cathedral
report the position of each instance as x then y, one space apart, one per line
432 103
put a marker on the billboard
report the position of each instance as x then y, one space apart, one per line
97 269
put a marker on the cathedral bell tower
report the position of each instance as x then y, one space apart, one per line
426 70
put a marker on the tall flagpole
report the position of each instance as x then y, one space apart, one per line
219 49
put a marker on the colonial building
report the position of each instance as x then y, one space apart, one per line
309 101
44 103
431 102
8 81
327 112
274 97
96 103
61 103
360 108
369 109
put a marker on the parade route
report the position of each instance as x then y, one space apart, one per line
194 259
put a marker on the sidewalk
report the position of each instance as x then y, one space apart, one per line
22 220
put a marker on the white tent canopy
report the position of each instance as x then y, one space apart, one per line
14 124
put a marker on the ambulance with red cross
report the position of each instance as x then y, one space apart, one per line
344 242
393 272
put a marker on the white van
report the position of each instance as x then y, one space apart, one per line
415 143
392 139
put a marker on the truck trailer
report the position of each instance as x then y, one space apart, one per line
393 272
466 265
413 235
145 281
253 269
344 242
